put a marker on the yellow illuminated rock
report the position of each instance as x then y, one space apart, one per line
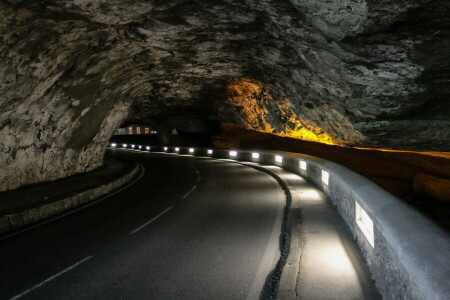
253 101
249 96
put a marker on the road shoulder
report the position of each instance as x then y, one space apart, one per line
36 203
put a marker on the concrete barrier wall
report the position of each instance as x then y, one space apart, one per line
410 255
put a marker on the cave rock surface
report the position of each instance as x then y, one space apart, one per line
365 73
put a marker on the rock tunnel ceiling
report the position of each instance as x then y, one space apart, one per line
349 72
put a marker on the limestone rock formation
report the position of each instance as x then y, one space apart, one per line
363 73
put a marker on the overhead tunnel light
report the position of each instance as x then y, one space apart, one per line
325 177
233 153
278 158
365 223
191 150
210 151
113 144
255 155
303 165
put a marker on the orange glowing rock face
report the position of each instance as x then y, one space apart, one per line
253 100
314 134
250 96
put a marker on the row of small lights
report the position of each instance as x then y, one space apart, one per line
233 154
362 218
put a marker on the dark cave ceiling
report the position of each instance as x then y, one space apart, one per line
349 72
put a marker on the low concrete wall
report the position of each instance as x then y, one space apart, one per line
410 256
13 222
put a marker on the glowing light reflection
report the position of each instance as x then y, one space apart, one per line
325 177
310 194
365 223
303 165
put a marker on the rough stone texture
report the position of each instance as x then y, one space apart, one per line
351 72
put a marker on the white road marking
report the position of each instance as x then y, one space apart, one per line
149 222
51 278
191 190
198 180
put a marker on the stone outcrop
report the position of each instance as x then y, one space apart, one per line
349 72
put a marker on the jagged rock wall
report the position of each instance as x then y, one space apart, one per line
351 72
62 95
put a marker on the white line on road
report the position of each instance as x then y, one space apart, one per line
51 278
195 186
152 220
190 191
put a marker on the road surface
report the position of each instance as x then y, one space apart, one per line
189 229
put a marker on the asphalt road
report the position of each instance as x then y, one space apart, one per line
189 229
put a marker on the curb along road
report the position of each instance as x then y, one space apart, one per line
12 224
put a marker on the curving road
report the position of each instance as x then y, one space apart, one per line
189 229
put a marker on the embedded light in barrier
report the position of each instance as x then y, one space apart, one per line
365 223
303 165
325 177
